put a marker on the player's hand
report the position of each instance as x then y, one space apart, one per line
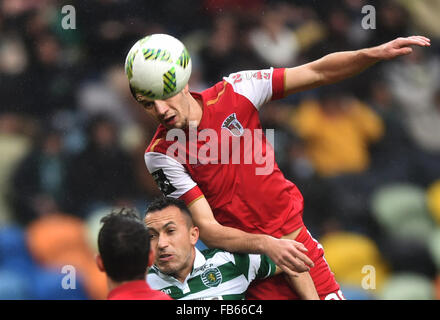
401 46
289 255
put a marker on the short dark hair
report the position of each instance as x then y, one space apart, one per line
165 202
124 245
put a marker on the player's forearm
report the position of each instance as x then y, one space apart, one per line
215 235
342 65
303 286
286 253
234 240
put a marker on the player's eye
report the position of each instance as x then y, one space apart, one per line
148 104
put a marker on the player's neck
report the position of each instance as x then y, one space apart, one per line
196 111
185 272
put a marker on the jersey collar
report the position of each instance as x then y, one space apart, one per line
199 261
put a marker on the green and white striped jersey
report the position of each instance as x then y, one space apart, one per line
216 275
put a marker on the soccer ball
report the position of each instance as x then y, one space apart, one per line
158 66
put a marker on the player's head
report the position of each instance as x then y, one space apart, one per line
173 235
172 112
158 68
124 246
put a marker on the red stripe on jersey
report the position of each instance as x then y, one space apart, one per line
278 83
190 196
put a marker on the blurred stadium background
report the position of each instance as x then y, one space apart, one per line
365 153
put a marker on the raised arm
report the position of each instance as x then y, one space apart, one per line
342 65
287 254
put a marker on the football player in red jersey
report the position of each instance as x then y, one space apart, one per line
235 207
125 255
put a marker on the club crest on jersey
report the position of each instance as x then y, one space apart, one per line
233 125
211 277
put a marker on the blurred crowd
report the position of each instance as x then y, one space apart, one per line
365 153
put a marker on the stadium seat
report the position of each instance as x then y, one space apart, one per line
434 247
22 278
47 285
14 254
433 199
401 210
58 240
13 286
357 293
354 259
407 286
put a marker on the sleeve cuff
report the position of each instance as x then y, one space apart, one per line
191 196
278 83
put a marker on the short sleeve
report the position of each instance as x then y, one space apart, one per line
258 86
171 177
255 266
267 267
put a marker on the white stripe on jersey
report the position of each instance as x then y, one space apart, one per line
254 265
236 283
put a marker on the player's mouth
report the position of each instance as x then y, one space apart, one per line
165 257
170 120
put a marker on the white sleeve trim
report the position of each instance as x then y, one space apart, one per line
170 175
255 85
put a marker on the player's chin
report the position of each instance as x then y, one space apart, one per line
166 268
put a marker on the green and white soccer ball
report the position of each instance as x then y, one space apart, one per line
158 66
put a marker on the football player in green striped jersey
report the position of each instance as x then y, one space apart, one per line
183 272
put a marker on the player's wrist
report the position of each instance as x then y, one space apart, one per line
264 244
374 54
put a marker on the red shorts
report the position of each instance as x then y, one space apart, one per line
276 288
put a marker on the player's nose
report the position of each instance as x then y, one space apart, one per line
162 243
161 107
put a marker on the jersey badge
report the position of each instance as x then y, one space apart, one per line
211 277
233 125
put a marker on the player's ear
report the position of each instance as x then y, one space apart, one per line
186 89
194 235
99 263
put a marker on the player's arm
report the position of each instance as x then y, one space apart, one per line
174 181
302 285
287 254
341 65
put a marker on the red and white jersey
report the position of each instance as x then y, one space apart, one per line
238 196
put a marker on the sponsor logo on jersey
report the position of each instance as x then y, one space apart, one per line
163 183
211 277
233 125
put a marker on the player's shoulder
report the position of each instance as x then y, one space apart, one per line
217 254
158 141
216 93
